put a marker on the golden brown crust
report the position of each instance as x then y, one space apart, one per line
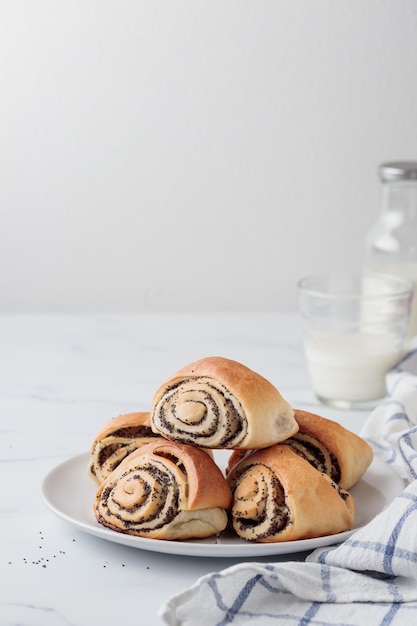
353 454
219 403
166 491
279 496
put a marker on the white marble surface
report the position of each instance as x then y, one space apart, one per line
61 378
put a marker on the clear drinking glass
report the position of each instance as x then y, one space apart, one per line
355 331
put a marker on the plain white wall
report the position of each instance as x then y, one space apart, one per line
194 155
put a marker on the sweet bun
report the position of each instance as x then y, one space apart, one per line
219 403
331 448
328 446
167 491
279 496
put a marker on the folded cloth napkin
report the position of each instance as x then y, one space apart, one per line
371 578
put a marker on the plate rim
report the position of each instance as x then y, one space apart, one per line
198 547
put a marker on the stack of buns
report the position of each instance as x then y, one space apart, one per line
287 477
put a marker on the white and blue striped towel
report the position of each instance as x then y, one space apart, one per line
371 578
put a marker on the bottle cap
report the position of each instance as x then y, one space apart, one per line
398 170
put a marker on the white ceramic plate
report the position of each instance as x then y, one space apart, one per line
69 493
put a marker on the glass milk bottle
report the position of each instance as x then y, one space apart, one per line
391 245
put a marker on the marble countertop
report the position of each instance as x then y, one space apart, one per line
62 377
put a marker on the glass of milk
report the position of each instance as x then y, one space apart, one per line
355 331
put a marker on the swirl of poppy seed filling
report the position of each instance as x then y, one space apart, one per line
259 507
313 451
110 451
141 499
200 410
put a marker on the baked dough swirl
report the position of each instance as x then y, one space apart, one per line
118 438
220 403
332 449
279 496
165 491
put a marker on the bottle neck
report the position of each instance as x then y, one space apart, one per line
392 241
